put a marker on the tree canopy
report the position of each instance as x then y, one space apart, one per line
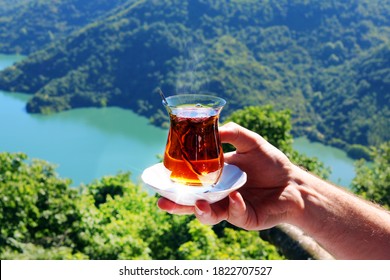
372 181
42 217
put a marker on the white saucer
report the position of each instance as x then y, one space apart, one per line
157 178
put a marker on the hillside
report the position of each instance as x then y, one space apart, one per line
353 99
28 25
326 61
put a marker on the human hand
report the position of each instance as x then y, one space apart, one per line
267 198
278 191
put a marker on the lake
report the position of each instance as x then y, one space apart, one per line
87 144
342 166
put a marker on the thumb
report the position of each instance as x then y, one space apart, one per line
243 139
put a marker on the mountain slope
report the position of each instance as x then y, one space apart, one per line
286 53
354 99
28 25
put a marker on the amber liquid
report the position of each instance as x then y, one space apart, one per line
194 153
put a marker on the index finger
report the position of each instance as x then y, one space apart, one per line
243 139
173 208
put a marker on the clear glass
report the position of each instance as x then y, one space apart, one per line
193 154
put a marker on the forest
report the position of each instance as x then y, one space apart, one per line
326 61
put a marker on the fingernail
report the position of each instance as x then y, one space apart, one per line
198 211
232 199
202 208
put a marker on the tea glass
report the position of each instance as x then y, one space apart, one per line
193 154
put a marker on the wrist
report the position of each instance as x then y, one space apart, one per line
308 199
342 223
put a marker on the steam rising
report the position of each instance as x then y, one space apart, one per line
192 78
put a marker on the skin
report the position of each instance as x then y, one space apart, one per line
277 191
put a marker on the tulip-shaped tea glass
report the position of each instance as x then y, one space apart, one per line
193 154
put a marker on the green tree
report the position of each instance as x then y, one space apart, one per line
275 127
235 244
110 218
372 180
130 226
36 206
119 219
28 251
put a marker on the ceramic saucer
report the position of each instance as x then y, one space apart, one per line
157 178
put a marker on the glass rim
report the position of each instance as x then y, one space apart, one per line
204 98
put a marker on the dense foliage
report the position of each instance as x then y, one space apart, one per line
373 181
27 25
326 61
111 218
36 206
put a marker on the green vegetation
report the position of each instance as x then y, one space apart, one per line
275 127
28 25
325 61
111 218
36 206
373 181
358 151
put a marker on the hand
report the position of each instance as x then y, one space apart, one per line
277 192
268 198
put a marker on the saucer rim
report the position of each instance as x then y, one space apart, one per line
196 190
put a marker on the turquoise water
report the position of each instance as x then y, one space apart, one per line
342 167
84 143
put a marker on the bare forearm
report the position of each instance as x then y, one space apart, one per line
347 226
